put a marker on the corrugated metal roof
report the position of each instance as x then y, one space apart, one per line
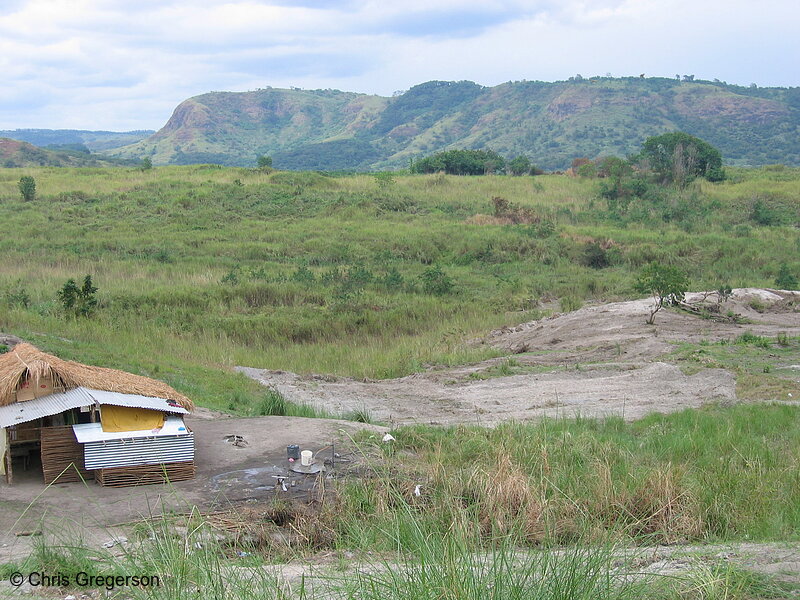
139 451
22 412
136 401
93 432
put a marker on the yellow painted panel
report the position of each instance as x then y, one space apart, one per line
124 418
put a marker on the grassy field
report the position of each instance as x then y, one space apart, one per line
202 268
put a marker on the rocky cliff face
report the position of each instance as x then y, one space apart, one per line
551 123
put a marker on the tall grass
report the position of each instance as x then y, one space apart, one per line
198 273
191 560
713 474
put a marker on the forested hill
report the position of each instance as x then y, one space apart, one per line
551 123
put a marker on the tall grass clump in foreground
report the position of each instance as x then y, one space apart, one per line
186 566
183 558
712 474
445 567
195 564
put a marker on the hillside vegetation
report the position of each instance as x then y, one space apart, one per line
14 153
550 123
203 268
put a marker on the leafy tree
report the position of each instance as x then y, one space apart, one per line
678 158
785 280
264 162
521 165
27 187
666 284
461 162
78 301
146 164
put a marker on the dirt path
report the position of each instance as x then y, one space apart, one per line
597 361
631 392
779 561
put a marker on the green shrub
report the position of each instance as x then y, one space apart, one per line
78 301
27 187
595 256
303 275
436 282
16 296
763 214
786 280
231 278
392 280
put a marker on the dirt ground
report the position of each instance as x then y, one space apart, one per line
777 560
597 361
226 475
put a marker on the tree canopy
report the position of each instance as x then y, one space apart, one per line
678 157
461 162
665 283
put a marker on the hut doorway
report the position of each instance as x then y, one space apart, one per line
46 449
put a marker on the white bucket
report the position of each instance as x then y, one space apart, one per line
305 458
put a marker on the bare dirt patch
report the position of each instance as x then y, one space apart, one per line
227 475
597 361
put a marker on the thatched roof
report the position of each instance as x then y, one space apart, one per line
26 361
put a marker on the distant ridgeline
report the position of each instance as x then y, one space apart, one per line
59 139
550 123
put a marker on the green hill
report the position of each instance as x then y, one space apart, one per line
14 153
93 140
551 123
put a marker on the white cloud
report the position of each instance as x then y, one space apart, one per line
118 64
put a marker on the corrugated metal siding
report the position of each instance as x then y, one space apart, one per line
29 410
136 401
139 451
87 433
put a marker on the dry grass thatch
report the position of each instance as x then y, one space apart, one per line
25 362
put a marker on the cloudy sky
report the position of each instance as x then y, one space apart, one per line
119 64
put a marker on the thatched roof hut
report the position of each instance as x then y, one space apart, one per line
82 421
25 362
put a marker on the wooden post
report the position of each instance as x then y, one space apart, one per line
9 470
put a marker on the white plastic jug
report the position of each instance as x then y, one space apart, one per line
305 458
